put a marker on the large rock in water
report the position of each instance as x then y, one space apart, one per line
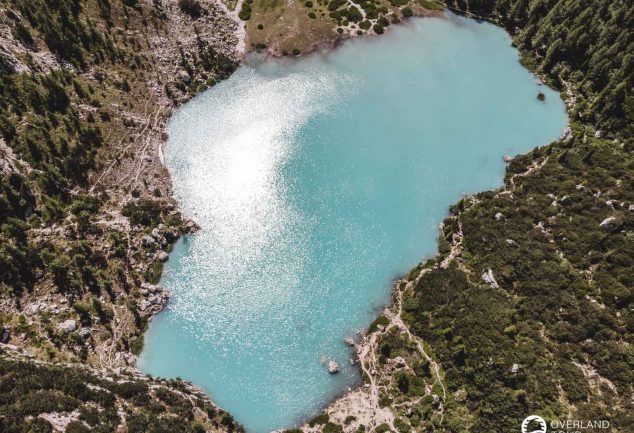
333 367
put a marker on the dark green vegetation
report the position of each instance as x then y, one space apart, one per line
54 123
191 7
54 120
245 11
76 242
29 389
554 335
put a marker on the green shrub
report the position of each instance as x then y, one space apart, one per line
322 418
381 320
192 8
382 428
245 12
331 427
144 212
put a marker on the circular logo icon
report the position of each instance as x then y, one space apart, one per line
534 424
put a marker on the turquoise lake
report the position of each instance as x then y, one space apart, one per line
316 183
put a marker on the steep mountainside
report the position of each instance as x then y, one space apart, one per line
86 217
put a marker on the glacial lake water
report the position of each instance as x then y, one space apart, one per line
316 183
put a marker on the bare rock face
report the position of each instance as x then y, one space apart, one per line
148 241
84 333
333 367
163 256
566 134
184 77
488 278
610 224
399 362
68 325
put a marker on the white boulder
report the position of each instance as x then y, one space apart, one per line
610 224
68 325
488 278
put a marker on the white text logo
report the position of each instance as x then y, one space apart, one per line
534 424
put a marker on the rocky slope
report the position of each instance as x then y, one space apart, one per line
86 213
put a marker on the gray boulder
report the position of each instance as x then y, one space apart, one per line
566 134
611 224
68 325
148 241
489 278
185 77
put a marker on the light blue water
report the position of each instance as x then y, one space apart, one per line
317 183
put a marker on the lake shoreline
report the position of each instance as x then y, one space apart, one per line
167 107
338 40
365 347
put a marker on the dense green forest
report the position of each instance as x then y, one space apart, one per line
553 335
42 122
28 389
